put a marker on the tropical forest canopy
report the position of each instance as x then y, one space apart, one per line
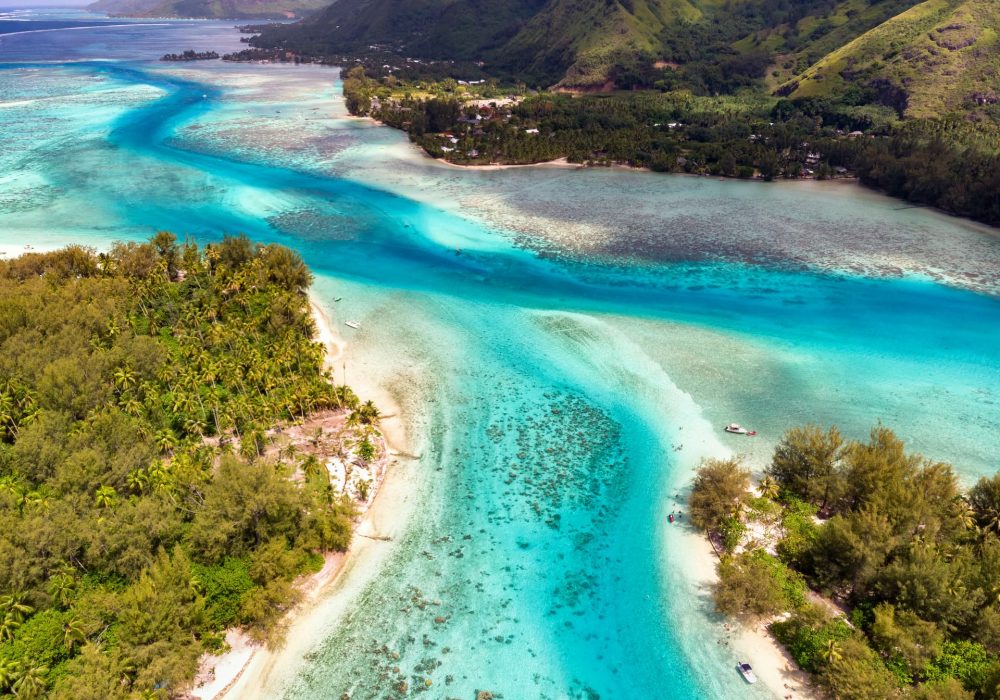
140 511
907 562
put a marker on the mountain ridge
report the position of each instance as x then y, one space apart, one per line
919 58
935 58
209 9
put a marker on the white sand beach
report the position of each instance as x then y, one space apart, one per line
751 643
249 670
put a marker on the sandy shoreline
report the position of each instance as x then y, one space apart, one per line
558 163
753 643
248 670
773 666
564 164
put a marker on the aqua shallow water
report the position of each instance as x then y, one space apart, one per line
564 344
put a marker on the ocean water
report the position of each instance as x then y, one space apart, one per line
564 346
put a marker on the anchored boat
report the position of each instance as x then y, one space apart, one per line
352 324
746 672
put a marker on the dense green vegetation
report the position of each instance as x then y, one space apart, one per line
703 45
951 165
141 512
428 29
936 60
190 55
919 78
911 561
928 57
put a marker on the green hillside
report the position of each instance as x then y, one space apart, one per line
803 40
210 9
576 42
425 29
937 57
921 58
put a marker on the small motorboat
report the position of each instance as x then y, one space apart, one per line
352 324
337 299
746 672
736 429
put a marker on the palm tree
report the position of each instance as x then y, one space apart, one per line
13 604
964 514
131 405
287 452
183 403
14 611
106 496
8 626
8 674
831 652
28 414
31 682
769 488
137 480
310 466
158 475
124 379
6 410
73 634
991 521
62 586
369 412
193 426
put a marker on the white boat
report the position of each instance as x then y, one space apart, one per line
736 428
352 324
746 672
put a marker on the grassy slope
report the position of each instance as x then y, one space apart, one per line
799 46
940 53
923 58
578 39
450 29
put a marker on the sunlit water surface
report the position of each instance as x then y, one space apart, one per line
564 345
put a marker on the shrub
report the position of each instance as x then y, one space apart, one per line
720 490
224 586
807 636
756 584
732 530
968 662
800 530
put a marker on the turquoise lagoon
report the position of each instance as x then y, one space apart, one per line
563 345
